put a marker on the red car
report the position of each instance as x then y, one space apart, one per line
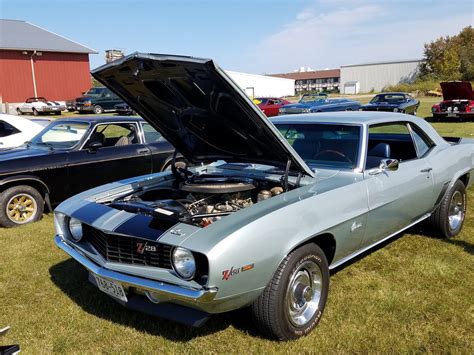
458 101
270 105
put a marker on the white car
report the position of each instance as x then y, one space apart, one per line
39 105
14 130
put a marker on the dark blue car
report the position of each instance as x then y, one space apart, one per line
393 102
320 103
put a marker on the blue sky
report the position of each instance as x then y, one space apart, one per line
260 36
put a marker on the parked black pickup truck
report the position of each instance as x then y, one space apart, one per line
72 155
97 100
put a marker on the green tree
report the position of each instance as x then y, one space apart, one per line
466 53
450 58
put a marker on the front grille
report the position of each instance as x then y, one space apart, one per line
121 249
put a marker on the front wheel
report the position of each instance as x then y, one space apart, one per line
98 109
448 218
293 302
20 205
19 112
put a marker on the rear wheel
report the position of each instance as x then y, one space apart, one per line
448 218
293 302
35 112
20 205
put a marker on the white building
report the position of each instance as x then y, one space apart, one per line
263 86
375 76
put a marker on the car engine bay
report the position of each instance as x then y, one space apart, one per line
199 199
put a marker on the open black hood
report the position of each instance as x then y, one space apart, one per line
198 109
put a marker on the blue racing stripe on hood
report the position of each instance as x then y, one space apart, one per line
90 212
145 227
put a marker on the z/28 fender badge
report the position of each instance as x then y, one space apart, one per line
227 274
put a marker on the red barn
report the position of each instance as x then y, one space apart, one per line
36 62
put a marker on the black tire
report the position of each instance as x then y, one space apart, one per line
272 309
35 112
440 220
15 212
19 112
98 109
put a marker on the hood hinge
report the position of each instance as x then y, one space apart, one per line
284 178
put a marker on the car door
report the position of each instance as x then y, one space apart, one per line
272 108
27 106
161 151
113 151
401 197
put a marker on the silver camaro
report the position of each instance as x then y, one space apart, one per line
264 210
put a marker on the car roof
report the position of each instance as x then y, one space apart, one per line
392 93
100 119
343 117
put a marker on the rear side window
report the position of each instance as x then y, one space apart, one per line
7 129
422 143
151 134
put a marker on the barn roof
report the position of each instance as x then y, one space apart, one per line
22 35
317 74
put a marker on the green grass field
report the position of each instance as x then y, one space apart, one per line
413 295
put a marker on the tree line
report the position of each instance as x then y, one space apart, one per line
450 57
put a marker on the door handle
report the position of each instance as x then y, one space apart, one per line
142 151
427 170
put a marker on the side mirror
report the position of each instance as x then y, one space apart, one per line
94 146
385 165
389 165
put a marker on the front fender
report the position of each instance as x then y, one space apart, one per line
245 249
25 178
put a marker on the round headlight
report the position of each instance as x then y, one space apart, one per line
395 109
183 263
75 228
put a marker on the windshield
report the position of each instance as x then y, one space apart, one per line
311 98
324 145
61 135
389 98
94 91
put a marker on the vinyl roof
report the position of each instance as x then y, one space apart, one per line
22 35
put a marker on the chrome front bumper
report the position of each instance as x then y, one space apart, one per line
195 298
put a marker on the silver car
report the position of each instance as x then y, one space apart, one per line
268 209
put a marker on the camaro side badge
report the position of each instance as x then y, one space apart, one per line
355 226
227 274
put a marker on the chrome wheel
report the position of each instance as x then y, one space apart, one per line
304 293
21 208
456 211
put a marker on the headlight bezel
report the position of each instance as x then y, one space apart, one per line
176 268
74 225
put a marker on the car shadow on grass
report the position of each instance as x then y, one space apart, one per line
73 281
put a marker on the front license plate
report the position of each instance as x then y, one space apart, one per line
111 288
452 115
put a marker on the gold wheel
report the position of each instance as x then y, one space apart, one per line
21 208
